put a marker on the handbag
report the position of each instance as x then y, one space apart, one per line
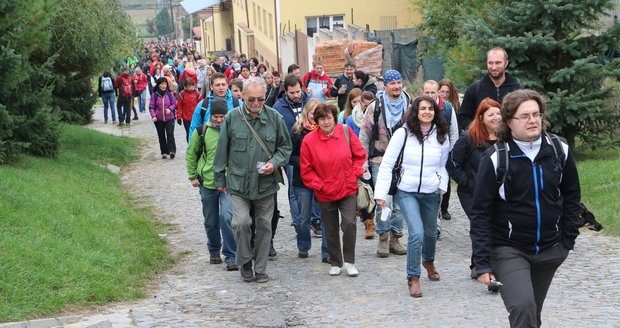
365 195
278 171
397 170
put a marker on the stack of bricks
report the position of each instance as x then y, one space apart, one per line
332 53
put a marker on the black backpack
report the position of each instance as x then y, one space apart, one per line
202 128
503 162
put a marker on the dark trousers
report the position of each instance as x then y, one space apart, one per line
526 279
186 125
124 109
165 132
331 221
274 220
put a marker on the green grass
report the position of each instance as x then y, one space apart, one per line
599 175
68 233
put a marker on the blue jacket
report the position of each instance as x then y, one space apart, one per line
283 106
196 120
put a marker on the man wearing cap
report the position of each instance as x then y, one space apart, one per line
246 170
381 119
216 204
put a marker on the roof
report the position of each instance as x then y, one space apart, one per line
192 6
197 32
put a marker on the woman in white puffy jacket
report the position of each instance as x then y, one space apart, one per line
425 146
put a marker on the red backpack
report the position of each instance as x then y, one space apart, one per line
125 89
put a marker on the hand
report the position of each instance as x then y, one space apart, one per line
342 90
167 111
222 189
154 119
486 278
380 202
195 183
179 121
268 168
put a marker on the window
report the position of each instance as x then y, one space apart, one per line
265 20
327 22
270 26
387 22
254 12
260 25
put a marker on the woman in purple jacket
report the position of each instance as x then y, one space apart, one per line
163 106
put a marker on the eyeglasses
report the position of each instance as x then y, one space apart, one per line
255 99
526 117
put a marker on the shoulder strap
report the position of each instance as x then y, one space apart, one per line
256 136
203 147
203 109
556 144
502 162
235 102
375 119
346 134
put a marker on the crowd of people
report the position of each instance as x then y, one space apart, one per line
248 127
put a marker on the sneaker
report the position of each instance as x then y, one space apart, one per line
334 271
246 272
215 258
164 156
316 229
350 269
446 216
272 252
303 254
172 155
231 266
262 278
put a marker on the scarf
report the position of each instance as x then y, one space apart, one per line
394 109
358 115
310 127
161 92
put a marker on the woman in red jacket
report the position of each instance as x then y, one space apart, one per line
188 99
330 165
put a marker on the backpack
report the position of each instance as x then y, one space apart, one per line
446 111
203 126
379 104
125 89
106 84
503 161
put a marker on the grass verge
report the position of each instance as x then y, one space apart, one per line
68 233
599 175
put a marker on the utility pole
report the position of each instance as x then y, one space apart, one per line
174 28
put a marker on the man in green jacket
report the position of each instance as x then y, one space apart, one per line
216 204
248 172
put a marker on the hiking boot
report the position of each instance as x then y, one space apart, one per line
246 272
135 118
414 287
215 258
395 246
446 216
433 275
272 252
383 250
231 266
262 278
326 260
316 229
303 254
369 229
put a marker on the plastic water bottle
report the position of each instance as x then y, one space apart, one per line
387 209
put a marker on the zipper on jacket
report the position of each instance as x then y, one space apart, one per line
542 181
421 167
537 209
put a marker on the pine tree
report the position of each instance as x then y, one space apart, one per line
557 47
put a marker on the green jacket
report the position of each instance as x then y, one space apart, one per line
202 166
238 153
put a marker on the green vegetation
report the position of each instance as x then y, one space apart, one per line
69 235
600 186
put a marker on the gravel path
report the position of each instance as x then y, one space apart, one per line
194 293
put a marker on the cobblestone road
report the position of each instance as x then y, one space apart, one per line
584 293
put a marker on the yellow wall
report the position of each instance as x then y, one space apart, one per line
216 42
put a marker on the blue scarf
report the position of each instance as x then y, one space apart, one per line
395 109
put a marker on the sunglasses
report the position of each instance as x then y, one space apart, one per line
255 99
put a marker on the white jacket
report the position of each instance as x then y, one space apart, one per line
423 168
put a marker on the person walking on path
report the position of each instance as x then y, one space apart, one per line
331 161
423 147
125 93
525 211
107 93
162 108
216 205
189 97
246 170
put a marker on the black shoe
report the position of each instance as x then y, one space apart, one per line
262 278
316 229
446 216
272 252
231 266
172 155
246 272
135 118
326 260
303 254
215 258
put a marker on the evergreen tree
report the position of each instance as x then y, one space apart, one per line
557 47
27 121
163 23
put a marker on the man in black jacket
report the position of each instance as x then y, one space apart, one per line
344 84
525 208
495 85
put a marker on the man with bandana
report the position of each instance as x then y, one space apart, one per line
216 205
381 119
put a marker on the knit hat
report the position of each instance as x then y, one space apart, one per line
391 76
218 106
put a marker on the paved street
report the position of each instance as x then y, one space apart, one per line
585 292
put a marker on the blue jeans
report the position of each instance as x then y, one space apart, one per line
108 102
305 199
217 211
395 222
420 213
292 196
142 100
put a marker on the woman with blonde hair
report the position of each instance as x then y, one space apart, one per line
353 98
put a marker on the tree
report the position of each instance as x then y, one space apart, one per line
557 48
150 27
27 121
163 22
